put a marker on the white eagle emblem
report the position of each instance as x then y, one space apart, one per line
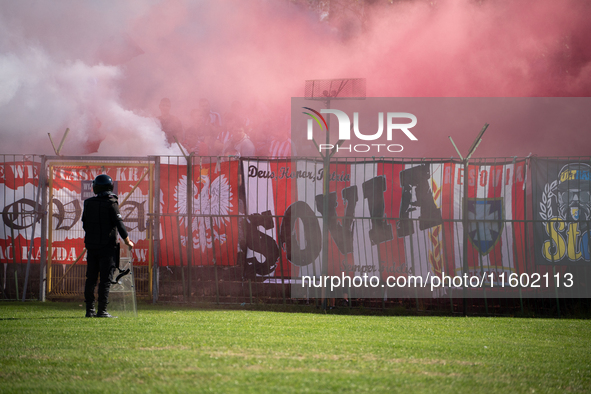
213 199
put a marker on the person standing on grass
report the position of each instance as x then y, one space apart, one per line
101 220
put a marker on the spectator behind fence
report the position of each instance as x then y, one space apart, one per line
273 140
171 125
261 138
214 118
239 143
221 137
200 136
280 145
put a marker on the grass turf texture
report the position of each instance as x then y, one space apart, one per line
50 347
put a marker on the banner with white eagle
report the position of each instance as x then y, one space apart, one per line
212 201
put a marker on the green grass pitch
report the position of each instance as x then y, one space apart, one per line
49 347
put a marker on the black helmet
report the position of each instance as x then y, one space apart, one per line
102 183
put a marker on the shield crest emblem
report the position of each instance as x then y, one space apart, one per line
485 224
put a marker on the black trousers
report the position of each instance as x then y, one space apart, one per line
99 262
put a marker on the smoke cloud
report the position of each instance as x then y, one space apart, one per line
101 68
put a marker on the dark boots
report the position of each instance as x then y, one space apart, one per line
90 312
102 311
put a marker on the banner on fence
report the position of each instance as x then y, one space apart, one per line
385 218
212 201
495 214
18 193
562 210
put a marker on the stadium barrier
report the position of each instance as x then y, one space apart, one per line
244 230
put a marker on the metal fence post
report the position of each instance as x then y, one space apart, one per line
465 236
190 219
43 243
156 232
32 241
215 265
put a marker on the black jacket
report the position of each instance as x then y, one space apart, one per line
101 220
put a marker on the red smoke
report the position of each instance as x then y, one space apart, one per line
70 63
491 48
